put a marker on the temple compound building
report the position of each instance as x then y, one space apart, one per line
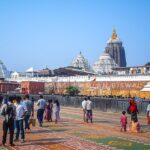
109 77
6 86
81 62
115 49
4 73
112 57
104 65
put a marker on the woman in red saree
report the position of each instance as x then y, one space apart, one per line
48 111
133 110
135 126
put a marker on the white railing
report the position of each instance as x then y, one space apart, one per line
83 78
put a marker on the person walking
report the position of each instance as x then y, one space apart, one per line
20 114
89 110
48 111
56 110
8 111
123 121
135 126
133 110
148 113
29 106
33 101
84 108
40 111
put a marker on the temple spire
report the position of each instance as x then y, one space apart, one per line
114 35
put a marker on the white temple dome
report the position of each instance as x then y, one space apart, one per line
104 65
81 62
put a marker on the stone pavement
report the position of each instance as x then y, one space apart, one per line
72 134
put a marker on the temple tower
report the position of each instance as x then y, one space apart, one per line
115 49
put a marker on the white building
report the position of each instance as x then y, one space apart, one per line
81 62
4 73
104 64
30 72
15 75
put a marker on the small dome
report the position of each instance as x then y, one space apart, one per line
81 62
104 65
4 73
15 73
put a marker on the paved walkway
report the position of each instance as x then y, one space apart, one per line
72 134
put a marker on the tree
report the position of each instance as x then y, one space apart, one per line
147 64
72 90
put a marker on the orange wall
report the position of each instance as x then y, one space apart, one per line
33 87
120 88
8 86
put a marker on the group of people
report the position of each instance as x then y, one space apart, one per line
17 112
51 109
133 111
87 109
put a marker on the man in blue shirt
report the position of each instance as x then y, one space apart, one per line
29 107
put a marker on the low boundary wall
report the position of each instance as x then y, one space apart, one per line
101 103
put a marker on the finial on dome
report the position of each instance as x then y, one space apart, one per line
114 34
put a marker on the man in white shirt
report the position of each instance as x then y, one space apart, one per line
84 108
148 113
88 110
20 114
40 111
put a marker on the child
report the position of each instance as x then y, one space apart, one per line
56 110
135 126
123 121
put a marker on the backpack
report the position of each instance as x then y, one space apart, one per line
9 113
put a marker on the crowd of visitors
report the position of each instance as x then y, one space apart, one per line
132 110
19 111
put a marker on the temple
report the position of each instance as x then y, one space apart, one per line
108 77
104 65
4 73
115 49
81 62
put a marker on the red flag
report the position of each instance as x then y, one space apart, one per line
93 82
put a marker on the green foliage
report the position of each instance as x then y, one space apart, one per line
72 90
147 64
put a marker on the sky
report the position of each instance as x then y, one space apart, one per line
50 33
